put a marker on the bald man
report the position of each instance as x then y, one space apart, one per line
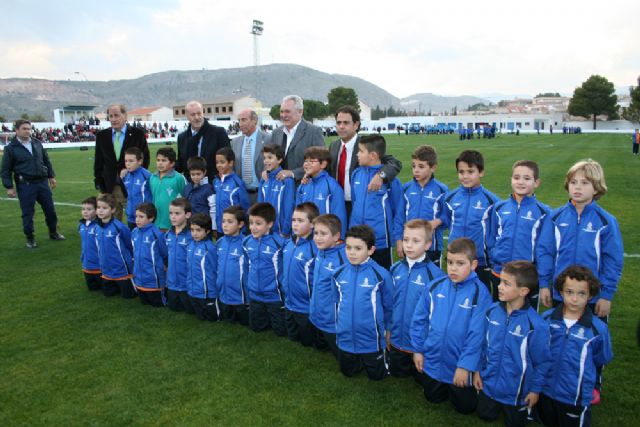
248 150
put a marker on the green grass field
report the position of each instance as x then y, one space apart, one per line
70 357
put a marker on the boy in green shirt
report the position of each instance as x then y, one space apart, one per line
166 185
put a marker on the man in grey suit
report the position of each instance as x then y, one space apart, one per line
295 136
248 150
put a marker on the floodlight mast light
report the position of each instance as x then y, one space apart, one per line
256 30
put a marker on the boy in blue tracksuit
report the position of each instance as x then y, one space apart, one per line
448 327
87 228
422 197
229 187
298 257
410 277
280 193
150 257
331 255
199 191
364 299
515 350
136 183
233 267
202 261
514 224
580 347
374 208
264 282
178 239
467 210
321 188
113 239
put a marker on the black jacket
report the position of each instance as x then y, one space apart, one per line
23 165
106 168
213 138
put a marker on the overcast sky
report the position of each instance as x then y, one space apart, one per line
405 47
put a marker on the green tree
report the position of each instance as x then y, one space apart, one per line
3 119
314 110
24 116
377 113
548 94
596 96
632 113
341 96
275 112
38 118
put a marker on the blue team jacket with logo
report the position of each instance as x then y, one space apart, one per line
322 307
202 261
233 267
265 268
114 246
177 245
298 257
281 195
138 191
89 249
325 192
230 190
150 255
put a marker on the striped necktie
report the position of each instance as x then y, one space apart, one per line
247 161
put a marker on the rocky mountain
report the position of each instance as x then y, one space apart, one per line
438 104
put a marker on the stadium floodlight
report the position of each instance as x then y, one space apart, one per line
258 28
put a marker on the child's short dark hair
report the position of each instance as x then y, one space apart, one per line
320 154
168 153
364 233
91 200
421 224
108 199
274 149
583 274
331 221
197 164
236 211
463 245
528 164
426 153
309 208
148 209
182 202
134 151
228 154
525 274
202 220
374 143
263 210
472 158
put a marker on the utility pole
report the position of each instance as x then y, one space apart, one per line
256 30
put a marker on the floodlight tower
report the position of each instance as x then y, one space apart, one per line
256 30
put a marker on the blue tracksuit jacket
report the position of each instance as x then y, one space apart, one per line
575 352
375 209
264 281
448 326
230 190
89 249
202 198
592 239
298 257
515 354
421 202
150 257
322 307
466 215
514 230
364 298
281 195
177 266
202 261
325 192
138 191
114 246
233 267
408 286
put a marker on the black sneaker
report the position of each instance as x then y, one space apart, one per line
31 243
57 236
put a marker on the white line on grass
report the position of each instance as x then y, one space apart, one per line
73 205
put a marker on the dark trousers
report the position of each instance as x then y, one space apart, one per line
28 194
489 410
206 308
554 413
464 399
401 363
263 315
179 301
110 288
435 256
236 313
375 364
383 257
299 328
491 281
635 148
153 298
327 341
93 281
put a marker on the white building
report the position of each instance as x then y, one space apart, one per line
226 108
150 114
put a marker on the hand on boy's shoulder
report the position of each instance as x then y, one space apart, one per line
376 183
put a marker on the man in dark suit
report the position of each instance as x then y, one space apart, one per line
111 143
344 158
295 136
200 139
248 150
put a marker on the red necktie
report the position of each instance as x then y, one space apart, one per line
342 163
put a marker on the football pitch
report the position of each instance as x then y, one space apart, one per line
71 357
